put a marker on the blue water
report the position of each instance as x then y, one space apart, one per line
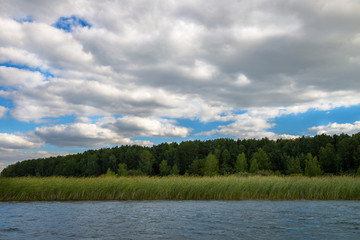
180 220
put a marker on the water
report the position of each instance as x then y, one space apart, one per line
181 220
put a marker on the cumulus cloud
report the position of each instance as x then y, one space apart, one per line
337 128
152 127
110 131
199 60
3 111
80 135
14 77
201 70
20 57
172 45
9 142
242 80
55 47
253 124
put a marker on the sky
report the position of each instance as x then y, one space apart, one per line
78 75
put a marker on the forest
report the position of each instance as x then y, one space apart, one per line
310 156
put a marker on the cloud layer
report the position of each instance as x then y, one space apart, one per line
138 67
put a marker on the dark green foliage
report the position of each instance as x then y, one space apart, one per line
357 157
339 154
146 162
135 172
262 159
196 167
92 167
329 162
226 169
122 169
226 163
174 170
211 165
293 165
312 166
254 166
241 163
164 168
110 173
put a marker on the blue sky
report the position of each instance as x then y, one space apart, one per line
99 74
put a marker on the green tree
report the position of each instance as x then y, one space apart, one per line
328 160
357 157
312 166
211 165
241 163
293 165
122 169
226 165
226 169
164 168
262 159
69 168
146 162
346 149
112 162
358 172
254 166
174 170
110 173
226 157
92 167
196 167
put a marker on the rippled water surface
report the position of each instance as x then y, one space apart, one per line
181 220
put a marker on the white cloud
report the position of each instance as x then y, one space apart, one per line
53 46
242 80
253 124
21 57
80 135
110 131
60 49
151 127
14 77
11 32
9 142
337 128
201 70
3 111
185 37
201 60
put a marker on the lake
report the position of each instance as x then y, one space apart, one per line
180 220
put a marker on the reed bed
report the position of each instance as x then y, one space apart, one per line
179 188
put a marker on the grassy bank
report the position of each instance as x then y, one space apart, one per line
179 188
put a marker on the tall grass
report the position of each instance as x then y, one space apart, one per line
179 188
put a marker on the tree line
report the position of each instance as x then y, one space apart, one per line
311 156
